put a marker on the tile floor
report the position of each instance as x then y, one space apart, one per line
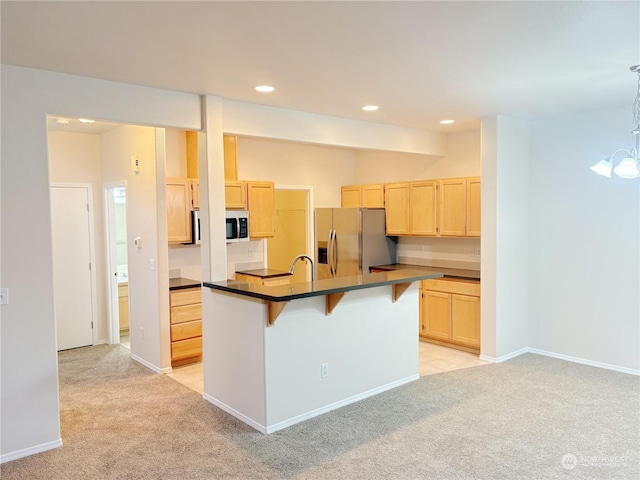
433 359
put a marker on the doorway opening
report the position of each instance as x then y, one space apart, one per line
116 212
293 230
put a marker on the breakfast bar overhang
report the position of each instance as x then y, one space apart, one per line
275 356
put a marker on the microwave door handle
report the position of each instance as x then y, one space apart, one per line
236 229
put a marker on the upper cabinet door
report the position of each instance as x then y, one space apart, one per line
230 157
261 205
373 195
423 204
235 195
453 205
473 206
397 208
178 210
351 196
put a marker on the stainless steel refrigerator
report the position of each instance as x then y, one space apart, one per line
350 240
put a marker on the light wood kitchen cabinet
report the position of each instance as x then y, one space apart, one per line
123 307
230 157
459 207
367 196
194 183
186 325
350 196
411 208
453 207
422 206
261 206
235 195
178 210
474 207
397 208
450 313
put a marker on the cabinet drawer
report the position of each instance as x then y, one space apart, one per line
186 313
453 285
186 348
182 331
185 297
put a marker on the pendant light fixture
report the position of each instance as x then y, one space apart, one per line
629 166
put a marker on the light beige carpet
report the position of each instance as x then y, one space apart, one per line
530 418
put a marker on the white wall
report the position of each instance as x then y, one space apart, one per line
75 158
324 168
505 187
145 316
176 152
584 241
461 159
29 415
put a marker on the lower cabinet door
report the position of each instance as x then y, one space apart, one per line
191 347
465 320
437 314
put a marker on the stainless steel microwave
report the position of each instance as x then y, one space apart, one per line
237 226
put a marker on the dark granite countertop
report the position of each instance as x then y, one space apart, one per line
180 283
448 272
264 273
284 293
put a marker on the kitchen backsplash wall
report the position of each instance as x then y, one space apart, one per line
245 256
440 252
184 261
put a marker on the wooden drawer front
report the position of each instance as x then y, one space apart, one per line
182 331
185 297
186 313
453 285
186 348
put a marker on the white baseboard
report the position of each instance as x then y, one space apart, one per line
25 452
150 365
313 413
560 356
102 341
583 361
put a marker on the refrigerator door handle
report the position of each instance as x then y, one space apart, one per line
335 252
330 253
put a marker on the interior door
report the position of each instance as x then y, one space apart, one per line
72 279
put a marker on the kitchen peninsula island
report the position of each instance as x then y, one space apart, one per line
275 356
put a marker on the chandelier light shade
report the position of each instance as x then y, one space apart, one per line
629 166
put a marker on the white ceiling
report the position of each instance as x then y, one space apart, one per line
420 61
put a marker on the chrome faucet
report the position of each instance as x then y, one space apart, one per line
306 257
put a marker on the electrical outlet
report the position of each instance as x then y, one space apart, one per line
324 370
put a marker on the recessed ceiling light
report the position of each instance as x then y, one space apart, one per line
265 88
370 108
86 120
63 121
446 122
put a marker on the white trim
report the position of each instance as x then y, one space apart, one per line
560 356
109 233
149 365
312 413
92 252
102 341
25 452
583 361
